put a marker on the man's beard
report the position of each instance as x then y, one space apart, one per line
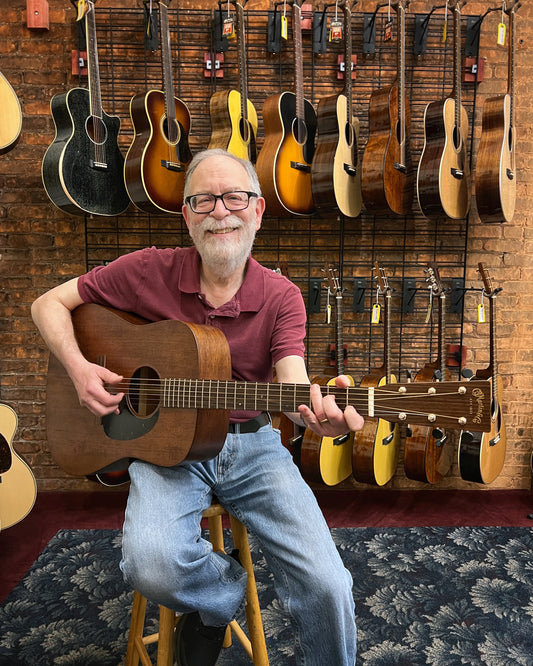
223 258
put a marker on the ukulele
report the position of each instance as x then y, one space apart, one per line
18 488
284 162
443 178
179 393
377 446
11 123
387 179
233 116
427 454
336 168
158 157
495 167
82 169
329 459
481 457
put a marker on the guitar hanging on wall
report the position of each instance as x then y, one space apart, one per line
11 123
443 178
158 157
233 116
427 453
388 178
482 456
329 459
377 445
336 167
284 162
82 169
496 165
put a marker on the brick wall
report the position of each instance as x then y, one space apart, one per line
40 245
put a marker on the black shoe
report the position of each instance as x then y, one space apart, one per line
196 644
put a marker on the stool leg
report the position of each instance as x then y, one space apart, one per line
165 647
138 611
253 610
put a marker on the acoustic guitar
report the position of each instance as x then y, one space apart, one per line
336 168
82 169
443 177
179 393
11 123
481 457
233 116
377 446
388 178
18 488
158 157
495 167
284 161
329 459
427 453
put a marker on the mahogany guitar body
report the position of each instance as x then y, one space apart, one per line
284 162
495 166
229 130
155 167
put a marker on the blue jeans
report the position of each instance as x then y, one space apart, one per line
255 478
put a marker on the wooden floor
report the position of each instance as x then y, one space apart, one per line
21 544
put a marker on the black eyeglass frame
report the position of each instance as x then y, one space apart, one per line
216 197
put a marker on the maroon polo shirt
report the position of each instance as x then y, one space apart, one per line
263 322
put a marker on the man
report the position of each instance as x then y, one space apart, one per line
262 314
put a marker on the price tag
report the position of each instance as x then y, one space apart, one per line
444 29
387 32
335 31
228 29
481 313
284 28
501 34
376 311
82 9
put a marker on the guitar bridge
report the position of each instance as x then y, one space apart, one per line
340 440
301 166
350 170
457 173
172 166
400 167
99 166
510 174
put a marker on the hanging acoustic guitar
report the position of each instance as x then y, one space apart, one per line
233 116
496 162
443 178
11 123
82 169
158 157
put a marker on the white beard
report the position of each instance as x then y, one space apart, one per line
223 258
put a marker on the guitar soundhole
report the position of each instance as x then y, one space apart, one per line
349 133
244 129
299 131
5 455
96 130
510 139
171 130
457 142
144 392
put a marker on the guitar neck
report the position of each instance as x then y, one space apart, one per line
493 363
166 65
401 81
441 360
348 87
340 337
92 63
457 65
243 73
510 66
386 334
298 63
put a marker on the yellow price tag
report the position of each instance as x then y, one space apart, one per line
284 28
82 9
376 311
481 313
501 34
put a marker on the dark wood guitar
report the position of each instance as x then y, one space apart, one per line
284 162
18 488
336 168
481 457
158 157
233 116
495 168
388 178
428 452
179 393
11 123
377 446
82 169
443 178
329 459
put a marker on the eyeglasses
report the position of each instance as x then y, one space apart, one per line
205 203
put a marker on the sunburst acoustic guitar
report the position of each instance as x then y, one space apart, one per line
336 166
388 178
482 456
443 177
11 123
376 447
495 177
233 116
284 161
158 157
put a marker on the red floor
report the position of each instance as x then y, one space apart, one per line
21 544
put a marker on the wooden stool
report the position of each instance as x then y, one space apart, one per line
255 646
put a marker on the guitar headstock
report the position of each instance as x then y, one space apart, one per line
486 279
382 278
332 277
433 278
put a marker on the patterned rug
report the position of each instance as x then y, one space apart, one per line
441 596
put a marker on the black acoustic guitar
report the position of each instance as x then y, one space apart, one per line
82 169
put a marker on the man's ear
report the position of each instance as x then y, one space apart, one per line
260 205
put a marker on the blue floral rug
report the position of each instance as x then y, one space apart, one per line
442 596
